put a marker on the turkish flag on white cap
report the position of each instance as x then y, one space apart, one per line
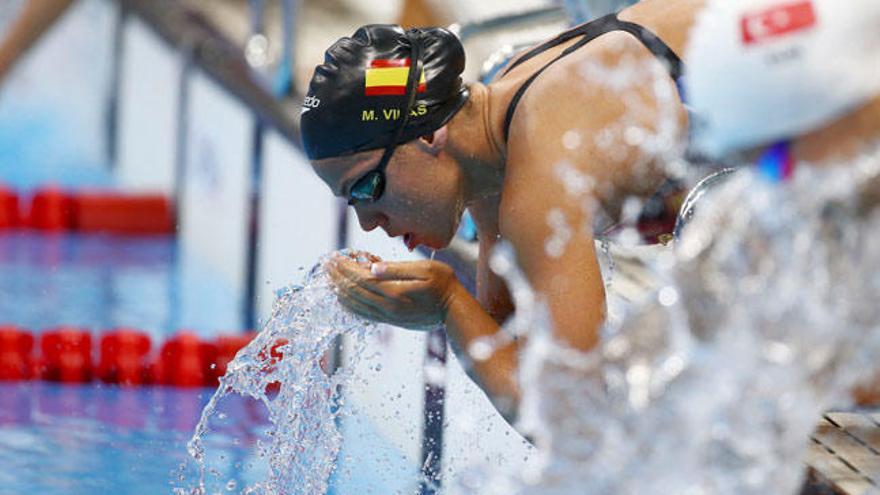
764 70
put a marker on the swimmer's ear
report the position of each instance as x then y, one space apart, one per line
435 142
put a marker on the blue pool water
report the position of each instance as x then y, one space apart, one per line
96 282
88 439
91 439
97 439
101 282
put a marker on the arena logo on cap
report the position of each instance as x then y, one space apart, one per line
782 19
387 77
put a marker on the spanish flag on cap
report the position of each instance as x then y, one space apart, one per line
387 77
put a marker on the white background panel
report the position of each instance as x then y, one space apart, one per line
53 104
149 90
475 434
215 207
391 392
388 391
368 465
298 220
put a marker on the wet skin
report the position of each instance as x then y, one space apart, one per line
510 188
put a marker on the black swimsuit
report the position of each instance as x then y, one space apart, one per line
660 211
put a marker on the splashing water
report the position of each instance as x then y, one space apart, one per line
281 369
762 317
713 383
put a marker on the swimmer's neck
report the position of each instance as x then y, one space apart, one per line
473 143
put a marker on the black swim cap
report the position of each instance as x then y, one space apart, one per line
357 96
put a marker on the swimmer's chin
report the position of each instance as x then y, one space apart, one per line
439 241
447 238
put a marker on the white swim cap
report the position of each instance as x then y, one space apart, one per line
758 71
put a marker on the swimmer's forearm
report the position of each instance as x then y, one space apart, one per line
36 16
466 321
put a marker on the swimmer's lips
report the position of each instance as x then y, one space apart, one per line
410 240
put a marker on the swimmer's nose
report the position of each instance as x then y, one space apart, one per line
369 221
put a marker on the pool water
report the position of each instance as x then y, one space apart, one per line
101 282
91 439
95 438
97 282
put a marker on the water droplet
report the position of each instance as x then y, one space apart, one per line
481 349
668 296
571 140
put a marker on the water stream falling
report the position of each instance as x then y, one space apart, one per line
281 369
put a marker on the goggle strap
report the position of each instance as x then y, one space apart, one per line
412 81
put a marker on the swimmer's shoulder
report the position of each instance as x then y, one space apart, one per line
577 91
571 108
670 20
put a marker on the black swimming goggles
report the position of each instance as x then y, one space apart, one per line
370 186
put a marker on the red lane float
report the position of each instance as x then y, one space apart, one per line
106 211
185 361
51 209
54 209
125 357
15 352
9 216
66 355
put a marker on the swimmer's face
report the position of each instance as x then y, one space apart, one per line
423 198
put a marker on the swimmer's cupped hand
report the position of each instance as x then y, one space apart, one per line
409 294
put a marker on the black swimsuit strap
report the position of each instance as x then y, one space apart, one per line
580 30
656 46
589 32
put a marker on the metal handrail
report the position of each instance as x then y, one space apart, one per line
212 51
